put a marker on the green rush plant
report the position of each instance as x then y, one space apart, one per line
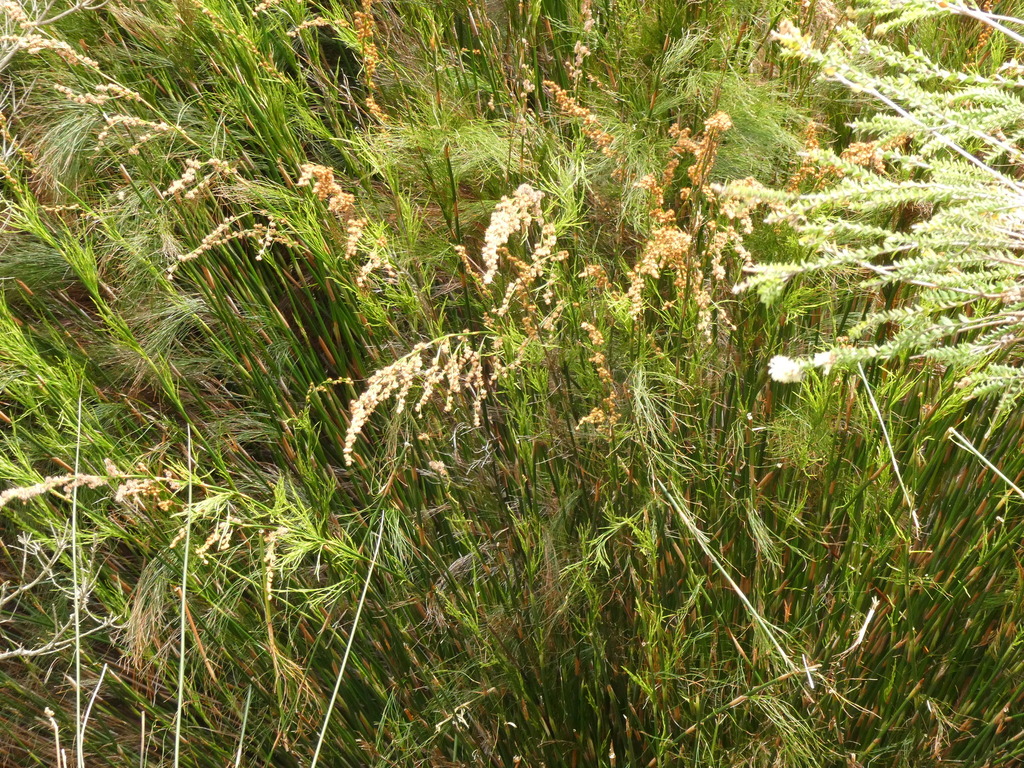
374 390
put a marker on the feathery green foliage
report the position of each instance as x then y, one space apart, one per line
930 201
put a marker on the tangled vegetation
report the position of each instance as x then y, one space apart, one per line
379 385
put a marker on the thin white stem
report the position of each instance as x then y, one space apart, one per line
807 669
92 699
962 442
702 540
182 616
998 177
56 737
991 20
348 646
864 627
68 12
892 452
1007 19
76 602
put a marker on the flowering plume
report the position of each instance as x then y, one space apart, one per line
326 188
343 205
511 215
670 247
455 365
592 129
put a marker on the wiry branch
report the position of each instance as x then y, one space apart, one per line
59 643
41 17
7 594
62 637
